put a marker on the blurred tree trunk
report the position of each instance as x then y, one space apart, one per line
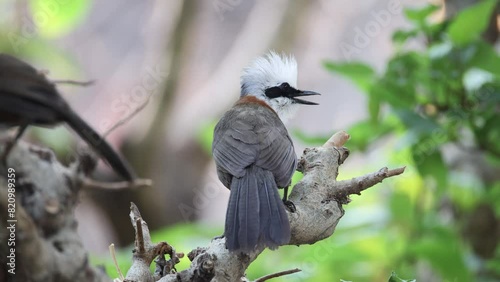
175 172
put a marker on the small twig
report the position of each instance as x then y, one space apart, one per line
278 274
142 229
113 256
46 73
358 184
74 82
337 140
396 171
140 236
137 183
127 118
146 251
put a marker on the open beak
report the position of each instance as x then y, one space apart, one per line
301 93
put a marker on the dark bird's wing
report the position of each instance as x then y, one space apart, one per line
26 95
28 98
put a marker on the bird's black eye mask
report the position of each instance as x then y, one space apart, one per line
285 90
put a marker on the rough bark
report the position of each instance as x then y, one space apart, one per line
47 245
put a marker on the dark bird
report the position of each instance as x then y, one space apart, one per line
27 97
255 155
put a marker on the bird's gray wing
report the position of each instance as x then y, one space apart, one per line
252 134
235 145
277 153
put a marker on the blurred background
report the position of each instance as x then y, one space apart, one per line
415 83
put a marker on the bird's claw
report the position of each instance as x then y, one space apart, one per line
290 205
218 237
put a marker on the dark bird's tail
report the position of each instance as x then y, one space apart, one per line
255 214
100 145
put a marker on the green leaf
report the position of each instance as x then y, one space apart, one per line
471 22
442 249
419 15
402 209
404 74
373 106
394 93
429 162
362 133
485 57
415 123
361 74
400 36
365 132
55 18
489 134
394 278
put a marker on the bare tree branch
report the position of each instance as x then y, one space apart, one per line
74 82
278 274
112 252
137 183
128 117
344 188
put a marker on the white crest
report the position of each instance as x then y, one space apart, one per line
269 71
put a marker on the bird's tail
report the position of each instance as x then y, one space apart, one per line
100 145
255 214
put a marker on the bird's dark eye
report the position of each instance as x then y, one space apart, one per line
284 85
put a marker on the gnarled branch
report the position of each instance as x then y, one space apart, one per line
318 199
51 249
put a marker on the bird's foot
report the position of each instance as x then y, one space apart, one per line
290 205
218 237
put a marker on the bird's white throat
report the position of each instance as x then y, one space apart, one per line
284 107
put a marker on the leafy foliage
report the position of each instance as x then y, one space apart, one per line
444 96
